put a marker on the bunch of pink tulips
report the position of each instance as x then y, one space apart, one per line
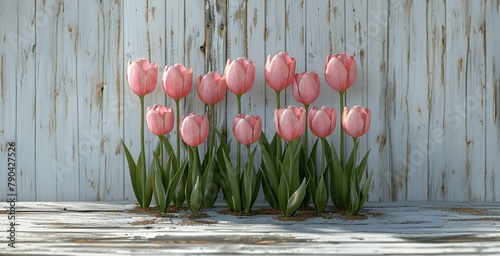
289 174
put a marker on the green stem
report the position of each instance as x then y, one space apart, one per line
143 155
278 138
249 153
322 157
342 133
306 133
212 132
161 152
238 146
178 139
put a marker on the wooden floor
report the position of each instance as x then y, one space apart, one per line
85 228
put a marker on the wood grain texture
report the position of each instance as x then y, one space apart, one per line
26 86
384 228
428 70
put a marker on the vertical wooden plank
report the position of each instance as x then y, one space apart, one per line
237 46
454 174
436 63
174 47
66 97
376 69
114 84
336 29
8 79
397 86
144 36
492 119
215 33
274 37
90 98
475 75
295 43
26 86
255 31
417 105
356 45
194 55
155 40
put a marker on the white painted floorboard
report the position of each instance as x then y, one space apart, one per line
88 228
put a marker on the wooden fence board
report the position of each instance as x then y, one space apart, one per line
427 70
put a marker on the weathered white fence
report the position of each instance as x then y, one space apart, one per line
428 70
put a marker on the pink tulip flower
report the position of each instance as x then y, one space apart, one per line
322 121
305 88
160 120
279 71
356 121
142 76
247 129
194 129
240 75
290 122
340 71
211 88
177 81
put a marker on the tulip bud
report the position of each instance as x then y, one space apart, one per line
356 121
177 81
279 71
211 88
305 88
160 120
240 75
142 76
290 122
247 129
194 129
323 121
340 71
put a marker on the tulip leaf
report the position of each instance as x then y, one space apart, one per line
174 183
270 197
256 179
247 189
159 189
269 163
293 203
353 200
132 170
361 168
196 197
321 195
209 183
364 190
283 193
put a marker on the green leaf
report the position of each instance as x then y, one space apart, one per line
150 182
283 193
270 197
174 183
361 168
196 197
256 185
140 179
234 184
269 163
247 191
294 202
132 170
159 190
321 195
209 183
353 201
364 191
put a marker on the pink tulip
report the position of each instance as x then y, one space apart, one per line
305 87
247 129
240 75
142 76
160 120
194 129
322 121
211 88
356 121
290 122
279 71
340 71
177 81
